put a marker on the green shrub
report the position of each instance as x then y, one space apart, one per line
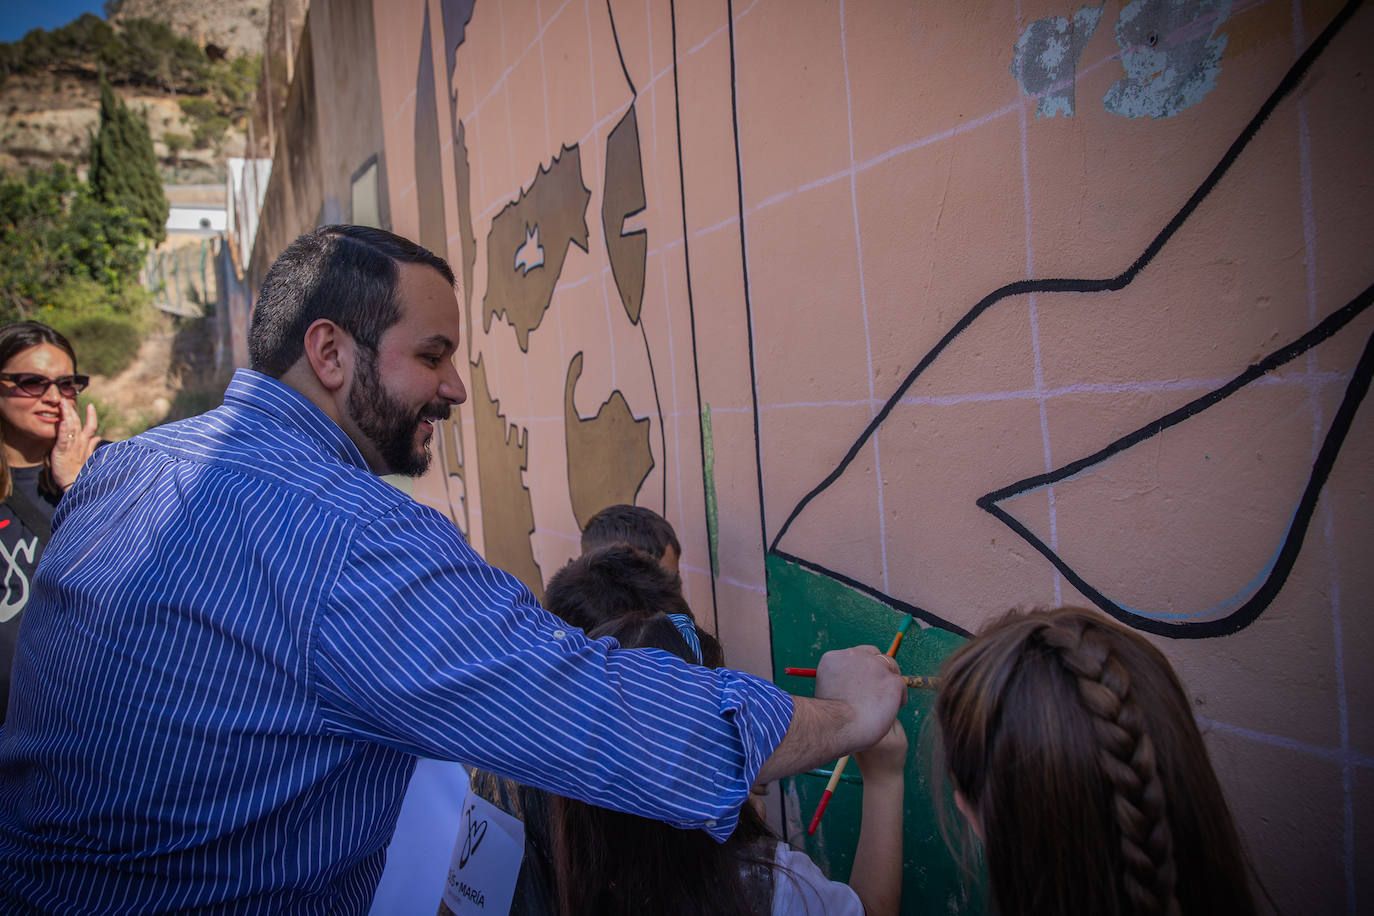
198 107
105 344
105 328
54 230
176 143
208 132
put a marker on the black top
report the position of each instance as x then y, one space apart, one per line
22 546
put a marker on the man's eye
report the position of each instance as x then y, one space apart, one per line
432 361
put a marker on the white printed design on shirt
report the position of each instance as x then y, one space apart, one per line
9 607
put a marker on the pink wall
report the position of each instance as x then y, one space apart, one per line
969 292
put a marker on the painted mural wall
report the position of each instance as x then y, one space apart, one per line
902 306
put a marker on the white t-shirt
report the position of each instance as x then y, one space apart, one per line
799 887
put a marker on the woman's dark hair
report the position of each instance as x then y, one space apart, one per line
607 862
633 525
1072 740
15 339
605 583
347 274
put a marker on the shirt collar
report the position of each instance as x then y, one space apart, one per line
281 401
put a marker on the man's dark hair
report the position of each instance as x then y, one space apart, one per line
642 528
347 274
605 583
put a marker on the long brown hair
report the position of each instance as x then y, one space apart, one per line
15 339
1073 742
607 862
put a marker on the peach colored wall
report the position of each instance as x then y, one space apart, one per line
968 293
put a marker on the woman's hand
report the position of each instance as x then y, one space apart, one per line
74 444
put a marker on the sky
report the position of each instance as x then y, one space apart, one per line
17 17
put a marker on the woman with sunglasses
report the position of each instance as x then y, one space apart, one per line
44 447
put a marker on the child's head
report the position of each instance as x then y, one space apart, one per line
672 632
611 581
614 863
1075 756
642 528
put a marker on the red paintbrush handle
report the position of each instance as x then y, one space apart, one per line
820 809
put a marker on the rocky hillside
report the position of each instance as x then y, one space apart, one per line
237 26
47 114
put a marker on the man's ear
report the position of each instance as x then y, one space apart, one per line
329 349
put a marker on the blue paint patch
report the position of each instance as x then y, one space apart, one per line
1171 52
1045 62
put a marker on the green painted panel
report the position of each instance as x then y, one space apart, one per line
811 614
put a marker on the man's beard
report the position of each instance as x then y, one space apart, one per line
387 422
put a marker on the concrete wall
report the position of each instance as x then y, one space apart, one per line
941 308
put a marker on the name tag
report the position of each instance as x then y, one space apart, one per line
486 860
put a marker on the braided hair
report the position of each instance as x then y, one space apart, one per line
1072 741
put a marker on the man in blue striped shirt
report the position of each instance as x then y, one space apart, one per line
240 639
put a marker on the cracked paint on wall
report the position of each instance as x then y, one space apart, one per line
1172 55
1046 59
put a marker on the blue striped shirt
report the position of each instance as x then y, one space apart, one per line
240 639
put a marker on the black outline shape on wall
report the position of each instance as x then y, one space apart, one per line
1286 86
1292 543
454 16
687 270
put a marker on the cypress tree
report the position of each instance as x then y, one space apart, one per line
124 167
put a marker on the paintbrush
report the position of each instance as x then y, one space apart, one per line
917 681
840 764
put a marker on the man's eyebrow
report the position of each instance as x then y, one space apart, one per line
438 340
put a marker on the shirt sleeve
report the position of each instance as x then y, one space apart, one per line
424 647
800 888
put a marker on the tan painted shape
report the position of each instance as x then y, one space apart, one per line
556 206
503 454
623 197
608 454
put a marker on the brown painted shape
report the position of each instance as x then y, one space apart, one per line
608 454
467 236
624 197
456 15
434 236
428 170
508 514
448 450
556 206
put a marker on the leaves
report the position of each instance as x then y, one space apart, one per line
55 231
124 166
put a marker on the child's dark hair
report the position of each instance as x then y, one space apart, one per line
633 525
611 581
614 863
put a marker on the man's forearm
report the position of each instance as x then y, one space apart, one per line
821 731
858 692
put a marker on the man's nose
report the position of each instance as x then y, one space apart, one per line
451 388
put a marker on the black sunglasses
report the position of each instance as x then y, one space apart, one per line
33 385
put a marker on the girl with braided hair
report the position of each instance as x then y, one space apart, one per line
1075 757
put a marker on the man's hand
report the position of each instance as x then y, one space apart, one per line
870 683
858 693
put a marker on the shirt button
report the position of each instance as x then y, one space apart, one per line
710 823
559 634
